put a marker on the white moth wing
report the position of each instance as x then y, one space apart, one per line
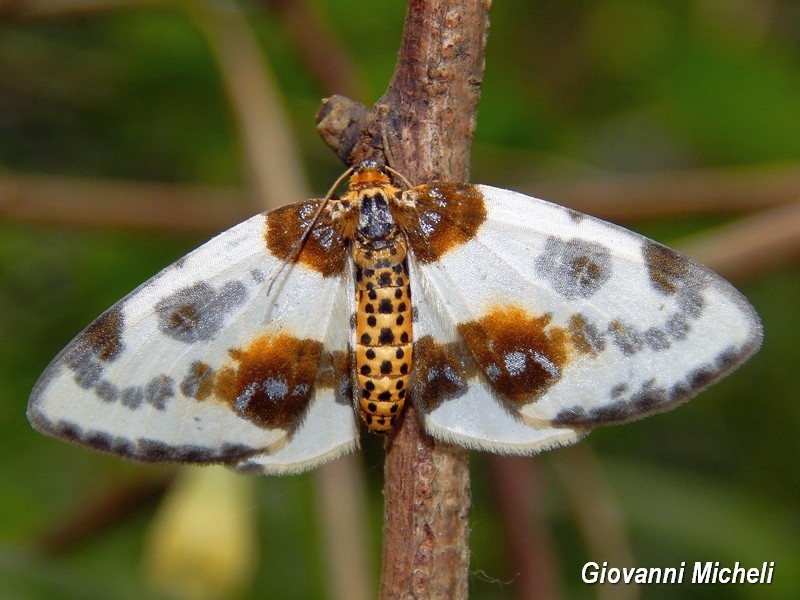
330 428
215 359
574 321
456 403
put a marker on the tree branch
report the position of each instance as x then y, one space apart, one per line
422 127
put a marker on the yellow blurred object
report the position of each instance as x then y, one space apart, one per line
202 543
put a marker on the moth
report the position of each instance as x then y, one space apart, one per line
514 325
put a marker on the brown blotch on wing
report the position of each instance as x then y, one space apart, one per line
439 217
520 355
667 269
104 335
324 249
271 381
441 372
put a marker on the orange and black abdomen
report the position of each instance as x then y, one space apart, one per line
383 331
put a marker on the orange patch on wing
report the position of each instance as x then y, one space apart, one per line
521 355
272 381
324 249
445 216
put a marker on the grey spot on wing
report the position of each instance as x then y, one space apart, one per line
626 337
271 390
575 215
514 362
301 390
148 449
586 336
691 302
343 392
618 390
158 390
243 400
96 439
544 362
86 358
631 340
609 413
574 415
132 397
327 237
575 268
68 430
108 443
157 451
678 327
701 377
445 377
98 344
729 359
198 312
656 339
199 381
647 398
87 369
107 391
276 388
229 450
626 404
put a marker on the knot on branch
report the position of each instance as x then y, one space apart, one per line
343 124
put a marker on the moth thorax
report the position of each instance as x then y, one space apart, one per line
375 220
383 329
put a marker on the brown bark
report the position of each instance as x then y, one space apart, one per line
422 127
424 123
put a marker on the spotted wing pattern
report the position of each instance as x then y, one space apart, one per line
237 353
531 324
553 322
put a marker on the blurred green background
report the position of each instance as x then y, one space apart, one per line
119 91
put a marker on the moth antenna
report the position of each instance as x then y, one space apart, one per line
400 176
387 152
336 184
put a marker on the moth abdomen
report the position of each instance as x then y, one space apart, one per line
383 330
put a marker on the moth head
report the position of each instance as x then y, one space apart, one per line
368 174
